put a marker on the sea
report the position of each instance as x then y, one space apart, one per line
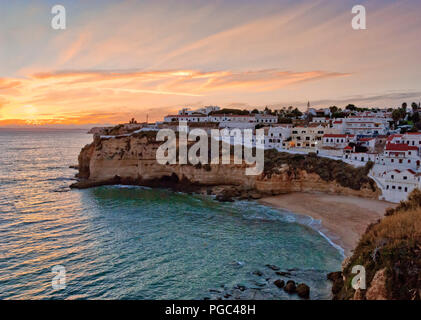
126 242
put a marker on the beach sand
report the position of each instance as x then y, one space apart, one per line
344 219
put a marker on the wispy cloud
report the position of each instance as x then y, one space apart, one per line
45 96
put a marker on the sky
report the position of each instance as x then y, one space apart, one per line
121 59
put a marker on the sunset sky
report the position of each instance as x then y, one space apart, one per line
123 59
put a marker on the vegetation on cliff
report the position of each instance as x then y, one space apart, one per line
328 169
390 248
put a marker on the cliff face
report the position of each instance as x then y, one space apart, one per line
131 159
390 252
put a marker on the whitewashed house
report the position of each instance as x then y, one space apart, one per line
409 138
231 118
320 120
359 156
400 156
275 136
266 118
186 118
338 141
396 185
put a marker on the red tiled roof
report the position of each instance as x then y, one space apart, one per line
366 139
348 148
389 138
399 147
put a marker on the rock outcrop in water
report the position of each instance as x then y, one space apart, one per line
130 159
265 285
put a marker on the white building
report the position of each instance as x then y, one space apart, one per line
400 156
364 126
231 118
266 118
338 141
409 138
236 125
320 120
396 185
186 118
211 118
359 156
275 136
203 111
208 109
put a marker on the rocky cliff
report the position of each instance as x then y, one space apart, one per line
390 252
130 159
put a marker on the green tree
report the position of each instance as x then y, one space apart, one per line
296 113
333 109
396 115
351 107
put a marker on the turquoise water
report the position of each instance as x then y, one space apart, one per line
135 243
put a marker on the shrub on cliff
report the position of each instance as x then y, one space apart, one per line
393 246
328 169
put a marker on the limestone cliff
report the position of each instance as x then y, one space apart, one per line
390 252
131 160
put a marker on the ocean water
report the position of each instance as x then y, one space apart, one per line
120 242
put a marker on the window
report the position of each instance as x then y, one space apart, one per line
399 188
392 177
393 187
387 187
406 189
405 178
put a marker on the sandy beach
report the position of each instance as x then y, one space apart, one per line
344 219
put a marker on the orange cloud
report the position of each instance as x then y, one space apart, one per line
6 84
78 97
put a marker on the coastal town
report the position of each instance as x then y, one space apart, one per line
389 138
